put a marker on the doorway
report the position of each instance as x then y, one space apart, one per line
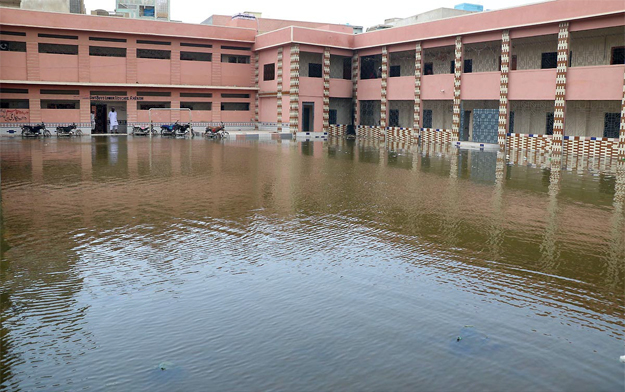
466 120
308 116
100 117
102 109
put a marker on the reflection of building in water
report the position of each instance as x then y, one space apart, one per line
549 248
615 257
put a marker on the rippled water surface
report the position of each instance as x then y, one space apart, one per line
188 265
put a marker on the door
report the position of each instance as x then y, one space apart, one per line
308 116
466 119
100 118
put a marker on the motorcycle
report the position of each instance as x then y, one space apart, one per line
35 130
183 130
70 130
143 131
217 132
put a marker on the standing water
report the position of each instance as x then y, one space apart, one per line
161 265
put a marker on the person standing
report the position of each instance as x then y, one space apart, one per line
92 121
113 120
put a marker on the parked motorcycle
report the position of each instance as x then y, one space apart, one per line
183 130
35 130
216 132
169 129
70 130
143 131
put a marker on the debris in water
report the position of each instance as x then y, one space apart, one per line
165 365
622 359
458 339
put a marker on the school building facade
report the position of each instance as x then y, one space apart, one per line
547 76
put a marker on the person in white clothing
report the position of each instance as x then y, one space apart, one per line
113 120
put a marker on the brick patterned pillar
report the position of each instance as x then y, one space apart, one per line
175 65
416 125
294 90
216 64
131 62
621 137
560 100
256 98
32 58
84 64
355 70
383 83
326 89
279 89
455 124
504 105
34 105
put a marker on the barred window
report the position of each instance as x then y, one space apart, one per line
59 92
14 103
235 47
57 36
154 93
427 118
269 71
142 105
59 104
235 106
16 33
153 54
196 95
233 59
58 49
234 95
146 42
611 125
549 60
314 70
193 45
105 51
393 118
333 116
12 46
13 90
196 105
196 56
105 39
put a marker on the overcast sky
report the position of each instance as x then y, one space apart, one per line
329 11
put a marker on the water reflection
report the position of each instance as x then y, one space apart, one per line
309 253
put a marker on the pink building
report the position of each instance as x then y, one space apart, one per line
547 76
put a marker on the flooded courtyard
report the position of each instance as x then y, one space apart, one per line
177 264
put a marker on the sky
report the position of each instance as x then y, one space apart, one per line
196 11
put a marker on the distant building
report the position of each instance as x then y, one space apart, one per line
469 7
263 25
69 6
429 16
101 12
144 9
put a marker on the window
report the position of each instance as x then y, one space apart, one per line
196 45
153 105
618 55
511 126
17 33
314 70
59 104
234 48
333 115
104 51
14 103
196 105
235 106
233 59
196 56
393 118
369 112
269 71
427 119
549 60
428 69
153 94
611 125
370 67
549 124
12 46
452 67
153 54
197 95
468 66
58 36
146 42
58 49
58 92
14 90
232 95
103 39
395 71
347 68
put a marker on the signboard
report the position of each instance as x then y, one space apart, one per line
14 115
